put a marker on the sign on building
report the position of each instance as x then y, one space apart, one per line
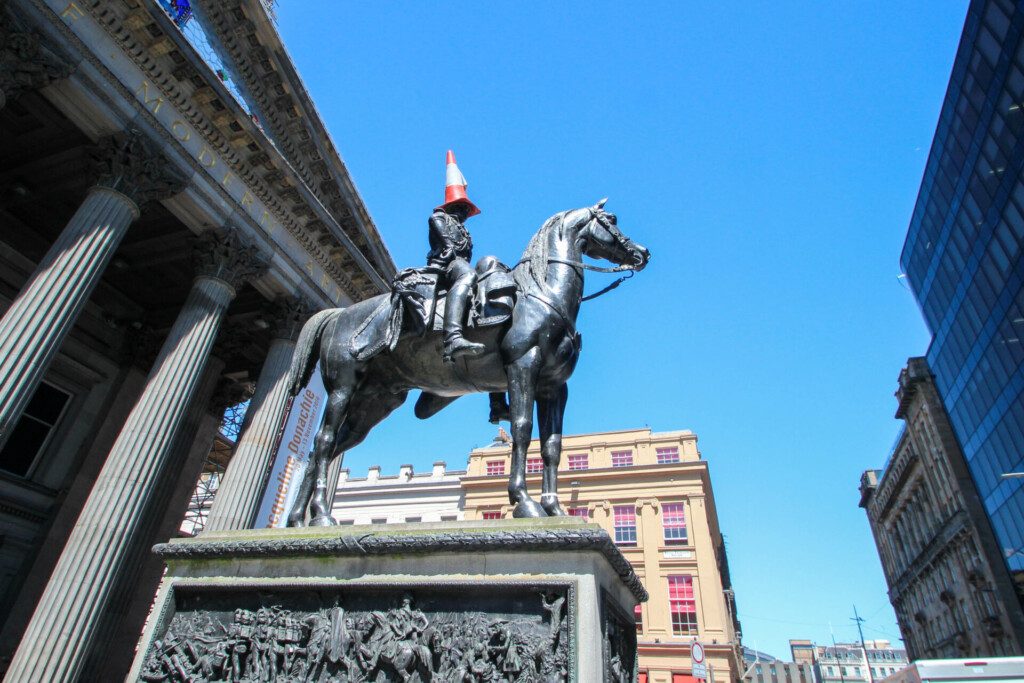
292 457
698 668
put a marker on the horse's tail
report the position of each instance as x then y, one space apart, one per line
305 357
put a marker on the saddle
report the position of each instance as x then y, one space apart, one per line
417 303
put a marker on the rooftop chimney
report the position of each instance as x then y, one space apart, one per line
439 469
373 474
405 472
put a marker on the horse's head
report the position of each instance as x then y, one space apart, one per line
602 239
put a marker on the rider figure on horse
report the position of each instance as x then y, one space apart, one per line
451 248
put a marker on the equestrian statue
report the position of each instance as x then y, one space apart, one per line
450 329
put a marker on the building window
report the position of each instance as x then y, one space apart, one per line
641 677
449 518
346 522
667 455
638 619
622 458
578 461
683 605
580 512
495 468
379 520
492 514
33 430
673 518
413 519
625 524
534 465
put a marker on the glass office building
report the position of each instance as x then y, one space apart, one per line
963 259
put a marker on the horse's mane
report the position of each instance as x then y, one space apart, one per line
534 263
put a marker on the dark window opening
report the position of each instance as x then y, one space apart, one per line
32 432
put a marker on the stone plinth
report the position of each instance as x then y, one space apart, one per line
518 600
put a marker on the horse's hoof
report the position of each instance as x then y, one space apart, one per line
322 520
554 509
528 508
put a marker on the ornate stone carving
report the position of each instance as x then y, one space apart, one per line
224 254
129 163
229 392
619 633
25 62
585 538
363 637
286 316
140 345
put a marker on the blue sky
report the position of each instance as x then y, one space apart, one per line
769 155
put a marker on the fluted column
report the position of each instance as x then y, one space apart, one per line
238 498
65 620
37 322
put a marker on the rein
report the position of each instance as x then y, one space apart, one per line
630 270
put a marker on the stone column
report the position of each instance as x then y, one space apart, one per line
238 498
66 619
34 327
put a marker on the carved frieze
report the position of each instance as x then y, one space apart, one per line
380 634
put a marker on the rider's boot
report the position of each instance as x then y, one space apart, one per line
455 345
499 408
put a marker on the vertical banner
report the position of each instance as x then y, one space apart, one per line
292 457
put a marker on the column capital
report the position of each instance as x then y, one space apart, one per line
25 62
286 315
130 164
222 253
229 392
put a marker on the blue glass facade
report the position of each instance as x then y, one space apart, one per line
963 259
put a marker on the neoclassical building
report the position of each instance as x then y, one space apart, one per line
407 497
947 582
651 491
171 208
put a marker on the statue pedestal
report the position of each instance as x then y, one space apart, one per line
517 600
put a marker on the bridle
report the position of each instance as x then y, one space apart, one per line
622 240
630 271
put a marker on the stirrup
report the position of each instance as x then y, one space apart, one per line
458 346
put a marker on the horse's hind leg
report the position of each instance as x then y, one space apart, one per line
316 472
550 412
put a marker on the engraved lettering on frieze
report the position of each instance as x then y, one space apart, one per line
152 103
72 12
334 640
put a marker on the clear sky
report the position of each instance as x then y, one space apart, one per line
769 155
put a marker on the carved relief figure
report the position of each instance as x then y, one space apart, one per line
337 644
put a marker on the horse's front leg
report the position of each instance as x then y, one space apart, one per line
522 386
550 412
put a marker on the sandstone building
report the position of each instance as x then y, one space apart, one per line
947 582
170 212
652 493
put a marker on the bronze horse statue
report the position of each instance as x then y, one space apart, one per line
531 356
